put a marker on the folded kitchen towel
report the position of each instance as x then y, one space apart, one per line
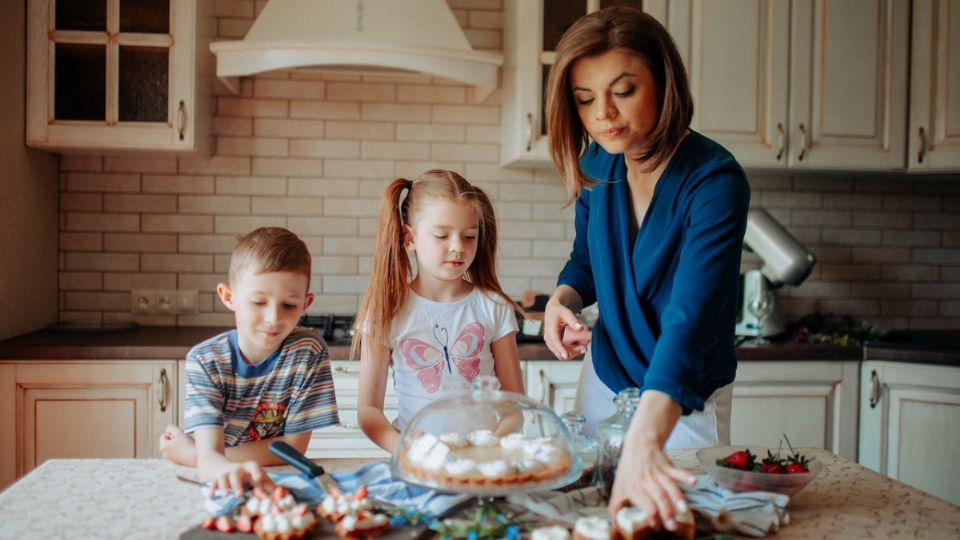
753 513
380 482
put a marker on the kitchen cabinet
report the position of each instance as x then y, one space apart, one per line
909 421
119 75
346 439
554 383
85 409
813 402
799 84
532 29
934 138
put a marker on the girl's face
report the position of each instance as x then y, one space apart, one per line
616 97
444 237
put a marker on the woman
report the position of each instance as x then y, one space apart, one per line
660 216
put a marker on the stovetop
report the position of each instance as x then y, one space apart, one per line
337 329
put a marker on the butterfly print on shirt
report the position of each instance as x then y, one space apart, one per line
431 362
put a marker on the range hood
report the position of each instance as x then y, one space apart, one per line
411 35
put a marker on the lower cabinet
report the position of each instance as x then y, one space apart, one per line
85 409
553 382
346 439
814 403
910 421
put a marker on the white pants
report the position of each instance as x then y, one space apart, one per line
700 429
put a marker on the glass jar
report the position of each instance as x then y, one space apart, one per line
610 434
587 449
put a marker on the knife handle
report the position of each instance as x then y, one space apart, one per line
293 456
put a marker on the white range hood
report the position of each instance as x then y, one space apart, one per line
412 35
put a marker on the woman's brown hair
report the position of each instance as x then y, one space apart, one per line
596 33
391 272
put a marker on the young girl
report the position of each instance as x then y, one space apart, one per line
447 324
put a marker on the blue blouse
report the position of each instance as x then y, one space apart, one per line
668 299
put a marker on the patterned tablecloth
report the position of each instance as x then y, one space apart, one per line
125 498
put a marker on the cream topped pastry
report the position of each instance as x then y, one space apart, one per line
633 523
454 439
550 533
513 441
482 437
592 528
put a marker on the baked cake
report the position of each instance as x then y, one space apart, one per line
633 523
481 459
592 528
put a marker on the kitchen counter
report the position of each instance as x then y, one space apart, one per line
122 498
154 342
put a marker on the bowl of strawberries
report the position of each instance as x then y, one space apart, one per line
739 468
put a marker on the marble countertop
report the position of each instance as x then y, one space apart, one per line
129 499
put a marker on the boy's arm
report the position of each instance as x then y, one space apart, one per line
213 465
506 366
374 365
259 451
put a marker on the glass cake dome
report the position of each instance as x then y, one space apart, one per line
487 442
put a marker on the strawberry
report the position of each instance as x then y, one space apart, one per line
741 459
244 523
794 468
772 468
224 524
210 523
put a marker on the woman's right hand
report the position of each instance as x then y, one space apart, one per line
563 332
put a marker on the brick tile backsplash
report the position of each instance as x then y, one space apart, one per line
313 149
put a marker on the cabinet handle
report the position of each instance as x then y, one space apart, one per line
874 389
922 153
182 119
529 132
803 143
341 369
543 399
780 139
163 390
348 425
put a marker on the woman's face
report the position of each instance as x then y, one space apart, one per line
616 96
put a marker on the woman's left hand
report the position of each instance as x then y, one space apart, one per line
647 479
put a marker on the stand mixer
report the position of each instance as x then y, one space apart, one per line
785 262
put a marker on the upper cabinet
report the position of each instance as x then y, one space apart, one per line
935 78
799 83
119 75
532 30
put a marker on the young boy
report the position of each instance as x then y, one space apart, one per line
267 380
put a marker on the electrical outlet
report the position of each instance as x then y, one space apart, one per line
167 302
186 301
143 302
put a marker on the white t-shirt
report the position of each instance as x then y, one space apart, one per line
422 371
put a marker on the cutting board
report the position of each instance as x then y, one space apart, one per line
324 530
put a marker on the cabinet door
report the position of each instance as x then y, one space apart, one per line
8 425
814 403
118 74
92 409
848 84
554 383
347 439
934 79
738 62
910 417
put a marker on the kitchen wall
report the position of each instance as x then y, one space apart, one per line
312 150
28 206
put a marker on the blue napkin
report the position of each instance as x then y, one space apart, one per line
380 482
752 513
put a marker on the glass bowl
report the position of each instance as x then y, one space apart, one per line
738 480
486 442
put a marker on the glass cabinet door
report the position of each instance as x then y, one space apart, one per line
119 74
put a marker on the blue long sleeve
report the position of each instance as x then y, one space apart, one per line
667 299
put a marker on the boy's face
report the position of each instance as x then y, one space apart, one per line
267 307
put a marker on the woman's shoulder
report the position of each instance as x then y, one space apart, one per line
707 153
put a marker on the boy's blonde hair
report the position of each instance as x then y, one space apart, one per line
270 249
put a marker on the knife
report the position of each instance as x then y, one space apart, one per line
300 462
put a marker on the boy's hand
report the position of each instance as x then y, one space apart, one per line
178 447
241 475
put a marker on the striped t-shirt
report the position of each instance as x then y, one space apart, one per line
289 392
